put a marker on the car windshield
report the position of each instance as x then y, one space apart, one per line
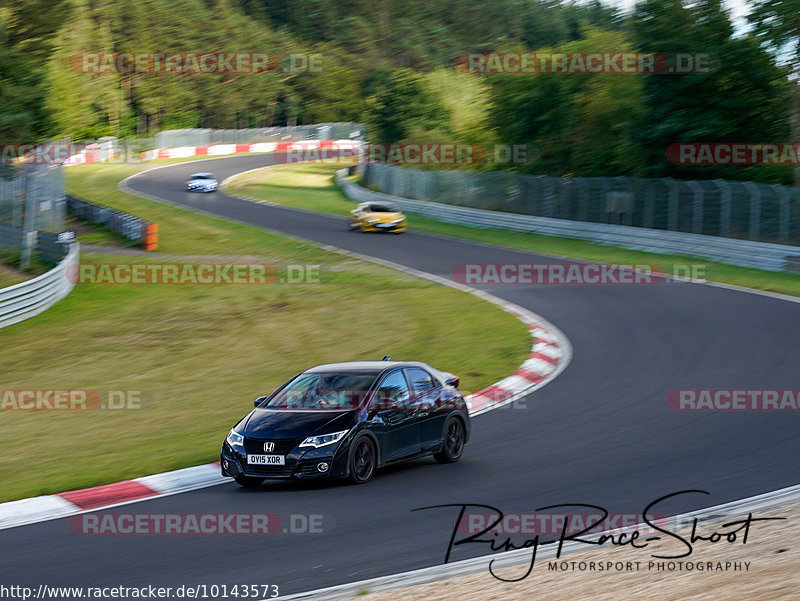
382 209
336 391
202 176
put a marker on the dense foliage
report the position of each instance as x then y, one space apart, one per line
391 65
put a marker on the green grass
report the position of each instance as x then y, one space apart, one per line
311 187
201 354
10 275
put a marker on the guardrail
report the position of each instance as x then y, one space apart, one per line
726 208
127 226
744 253
26 299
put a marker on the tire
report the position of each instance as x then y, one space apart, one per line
249 482
363 460
453 444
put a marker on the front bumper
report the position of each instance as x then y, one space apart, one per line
301 463
384 227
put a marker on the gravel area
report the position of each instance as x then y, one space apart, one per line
767 570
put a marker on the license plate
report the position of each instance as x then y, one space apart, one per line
266 460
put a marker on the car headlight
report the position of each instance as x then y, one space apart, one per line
323 439
371 220
235 439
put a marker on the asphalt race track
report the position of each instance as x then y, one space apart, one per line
601 433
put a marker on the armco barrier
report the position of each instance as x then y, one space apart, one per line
127 226
26 299
745 253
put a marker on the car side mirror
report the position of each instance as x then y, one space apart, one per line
453 381
258 401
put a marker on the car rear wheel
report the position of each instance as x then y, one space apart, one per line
363 460
453 445
249 482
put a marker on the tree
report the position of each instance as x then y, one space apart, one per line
26 29
397 102
777 23
740 100
575 123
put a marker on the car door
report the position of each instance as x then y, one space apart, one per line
426 393
392 418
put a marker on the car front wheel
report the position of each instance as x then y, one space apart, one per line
453 444
363 460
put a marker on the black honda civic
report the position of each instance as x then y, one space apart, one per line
345 420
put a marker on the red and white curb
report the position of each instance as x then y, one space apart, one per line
225 149
548 356
49 507
91 155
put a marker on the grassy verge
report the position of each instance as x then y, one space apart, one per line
311 187
200 354
10 275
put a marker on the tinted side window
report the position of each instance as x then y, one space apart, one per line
393 390
421 380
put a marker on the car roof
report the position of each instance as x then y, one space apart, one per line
202 173
368 366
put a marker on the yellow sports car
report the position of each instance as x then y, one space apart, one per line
377 217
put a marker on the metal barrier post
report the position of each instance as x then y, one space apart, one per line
755 210
28 242
783 225
697 206
649 207
672 219
724 207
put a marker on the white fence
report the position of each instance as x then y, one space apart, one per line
26 299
